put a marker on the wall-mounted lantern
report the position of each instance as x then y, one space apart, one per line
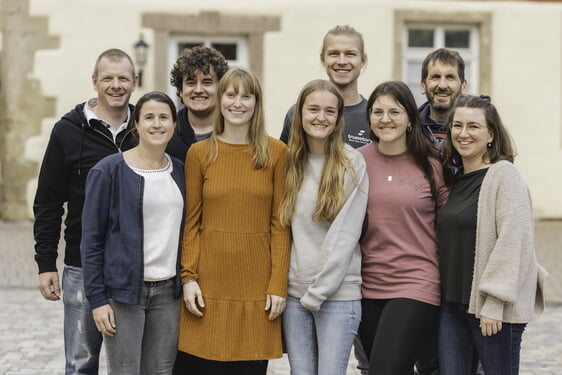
141 55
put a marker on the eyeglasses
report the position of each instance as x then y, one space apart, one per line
470 128
393 114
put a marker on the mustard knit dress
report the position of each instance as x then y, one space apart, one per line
235 247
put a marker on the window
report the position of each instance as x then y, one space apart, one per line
421 39
416 33
240 37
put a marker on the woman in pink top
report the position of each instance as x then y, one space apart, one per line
400 260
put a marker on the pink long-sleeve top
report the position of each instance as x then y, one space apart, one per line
399 243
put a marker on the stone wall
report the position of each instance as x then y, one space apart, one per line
22 106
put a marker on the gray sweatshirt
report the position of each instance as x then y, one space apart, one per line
325 256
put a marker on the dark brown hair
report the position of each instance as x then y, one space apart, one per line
418 139
445 56
501 148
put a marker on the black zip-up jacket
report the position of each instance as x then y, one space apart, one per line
74 147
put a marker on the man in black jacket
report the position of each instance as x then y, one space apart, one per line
92 130
195 75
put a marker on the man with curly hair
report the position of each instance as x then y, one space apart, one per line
195 76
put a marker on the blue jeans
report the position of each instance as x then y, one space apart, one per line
82 341
319 342
146 341
461 344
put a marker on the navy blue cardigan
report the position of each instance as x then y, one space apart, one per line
112 232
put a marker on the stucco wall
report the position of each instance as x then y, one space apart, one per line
527 87
526 60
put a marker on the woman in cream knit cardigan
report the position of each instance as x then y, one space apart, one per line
491 281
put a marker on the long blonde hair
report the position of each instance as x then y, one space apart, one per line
259 142
331 192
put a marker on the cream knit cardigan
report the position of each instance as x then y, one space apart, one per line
507 283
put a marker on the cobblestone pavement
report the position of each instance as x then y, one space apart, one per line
31 339
31 336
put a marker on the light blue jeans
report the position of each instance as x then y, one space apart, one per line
319 342
82 341
146 341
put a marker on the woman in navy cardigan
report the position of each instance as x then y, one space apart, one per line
130 249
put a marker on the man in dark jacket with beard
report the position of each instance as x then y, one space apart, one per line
442 81
92 130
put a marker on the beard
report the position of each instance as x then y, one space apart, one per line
441 106
202 113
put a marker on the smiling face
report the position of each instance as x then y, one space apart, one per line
389 121
319 117
237 108
442 86
114 83
470 136
199 93
343 59
156 124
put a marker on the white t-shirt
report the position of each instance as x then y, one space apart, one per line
162 215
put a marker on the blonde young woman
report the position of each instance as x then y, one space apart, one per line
235 251
324 202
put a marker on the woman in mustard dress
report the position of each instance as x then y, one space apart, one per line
235 252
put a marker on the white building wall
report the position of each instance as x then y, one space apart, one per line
527 83
526 60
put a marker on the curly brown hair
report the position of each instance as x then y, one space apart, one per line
195 60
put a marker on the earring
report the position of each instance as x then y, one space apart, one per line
409 128
489 144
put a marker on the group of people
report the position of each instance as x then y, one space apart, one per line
196 243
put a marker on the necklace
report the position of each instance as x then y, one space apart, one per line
161 163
